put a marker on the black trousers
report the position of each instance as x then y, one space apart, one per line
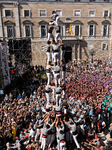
111 134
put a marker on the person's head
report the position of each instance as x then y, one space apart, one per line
53 41
47 126
61 132
53 12
48 42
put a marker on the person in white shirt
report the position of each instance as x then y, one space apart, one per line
55 17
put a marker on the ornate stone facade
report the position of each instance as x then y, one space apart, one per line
91 24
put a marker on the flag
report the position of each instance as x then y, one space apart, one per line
71 30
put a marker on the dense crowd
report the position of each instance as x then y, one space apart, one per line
88 104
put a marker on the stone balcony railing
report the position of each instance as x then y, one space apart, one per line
68 1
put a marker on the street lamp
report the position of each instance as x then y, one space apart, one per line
92 53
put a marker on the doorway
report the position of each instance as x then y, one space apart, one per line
68 54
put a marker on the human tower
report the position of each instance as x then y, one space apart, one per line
57 123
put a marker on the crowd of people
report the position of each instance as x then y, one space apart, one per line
88 105
68 111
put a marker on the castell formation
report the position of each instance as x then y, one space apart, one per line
58 124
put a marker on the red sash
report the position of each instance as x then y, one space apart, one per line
58 113
44 136
63 141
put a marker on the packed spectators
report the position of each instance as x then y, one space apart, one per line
88 104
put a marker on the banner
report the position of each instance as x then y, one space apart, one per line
4 62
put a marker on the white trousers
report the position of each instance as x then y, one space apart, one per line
64 94
48 97
63 55
50 35
41 135
75 140
56 21
58 35
53 93
37 134
43 143
63 75
82 129
62 146
58 144
57 78
48 57
58 99
48 78
56 56
105 142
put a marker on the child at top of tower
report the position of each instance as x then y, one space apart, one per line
55 17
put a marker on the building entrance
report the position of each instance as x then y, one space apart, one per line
68 54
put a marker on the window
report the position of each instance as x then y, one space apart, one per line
91 0
106 13
92 13
28 31
27 13
42 13
43 31
67 30
59 12
10 31
77 13
105 30
77 30
91 30
106 0
8 13
104 46
77 0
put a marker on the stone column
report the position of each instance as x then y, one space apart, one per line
74 50
1 27
78 52
17 19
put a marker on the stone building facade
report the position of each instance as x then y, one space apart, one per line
90 20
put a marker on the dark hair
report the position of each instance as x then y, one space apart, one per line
61 132
53 12
48 42
47 126
53 41
71 123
